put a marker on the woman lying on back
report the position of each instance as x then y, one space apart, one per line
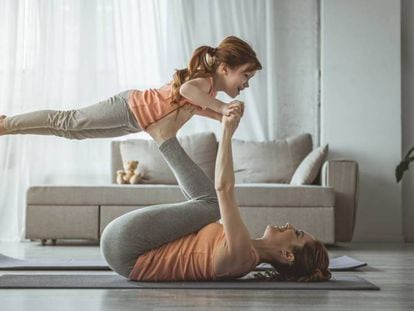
184 241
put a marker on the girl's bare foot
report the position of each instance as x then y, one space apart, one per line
168 126
2 128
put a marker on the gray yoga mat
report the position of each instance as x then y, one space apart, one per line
72 281
343 263
11 263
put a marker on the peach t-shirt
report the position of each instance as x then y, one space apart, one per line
151 105
188 258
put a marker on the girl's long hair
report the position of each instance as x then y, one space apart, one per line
232 51
311 264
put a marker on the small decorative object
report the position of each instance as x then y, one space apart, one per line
129 175
404 165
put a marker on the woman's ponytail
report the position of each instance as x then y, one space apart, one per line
311 264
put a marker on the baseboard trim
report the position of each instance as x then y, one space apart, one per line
367 237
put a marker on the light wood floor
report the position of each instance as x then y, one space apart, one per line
391 267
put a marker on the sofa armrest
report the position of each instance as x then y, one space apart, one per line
343 176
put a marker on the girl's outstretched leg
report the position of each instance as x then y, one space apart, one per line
108 118
84 134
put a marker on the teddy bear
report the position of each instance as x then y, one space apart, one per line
129 175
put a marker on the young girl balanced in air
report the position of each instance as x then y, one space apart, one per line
227 68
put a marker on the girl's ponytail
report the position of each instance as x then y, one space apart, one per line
202 60
202 64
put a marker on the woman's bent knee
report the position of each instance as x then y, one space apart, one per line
112 251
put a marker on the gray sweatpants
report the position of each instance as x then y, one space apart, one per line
132 234
108 118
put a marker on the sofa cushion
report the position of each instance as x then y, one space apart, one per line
202 148
310 167
269 194
270 161
143 195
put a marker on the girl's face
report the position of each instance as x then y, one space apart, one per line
235 80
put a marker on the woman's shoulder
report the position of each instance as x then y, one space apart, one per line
225 267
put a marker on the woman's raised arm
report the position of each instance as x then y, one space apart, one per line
237 235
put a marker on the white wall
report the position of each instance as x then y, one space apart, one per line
285 37
407 54
361 104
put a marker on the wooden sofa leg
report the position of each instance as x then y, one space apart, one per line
44 241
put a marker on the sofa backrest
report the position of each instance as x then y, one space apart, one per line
201 147
269 161
254 162
116 159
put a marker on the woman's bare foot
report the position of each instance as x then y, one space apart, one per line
168 126
2 127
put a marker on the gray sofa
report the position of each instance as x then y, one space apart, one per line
263 170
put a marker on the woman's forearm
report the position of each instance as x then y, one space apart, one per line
224 175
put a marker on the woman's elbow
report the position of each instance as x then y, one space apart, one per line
224 187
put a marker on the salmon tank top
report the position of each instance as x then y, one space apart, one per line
190 258
151 105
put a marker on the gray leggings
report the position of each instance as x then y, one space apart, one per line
130 235
108 118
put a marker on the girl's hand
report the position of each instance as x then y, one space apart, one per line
226 110
232 105
239 104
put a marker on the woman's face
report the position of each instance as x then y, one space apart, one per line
236 80
287 236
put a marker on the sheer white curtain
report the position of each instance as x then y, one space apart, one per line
71 53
